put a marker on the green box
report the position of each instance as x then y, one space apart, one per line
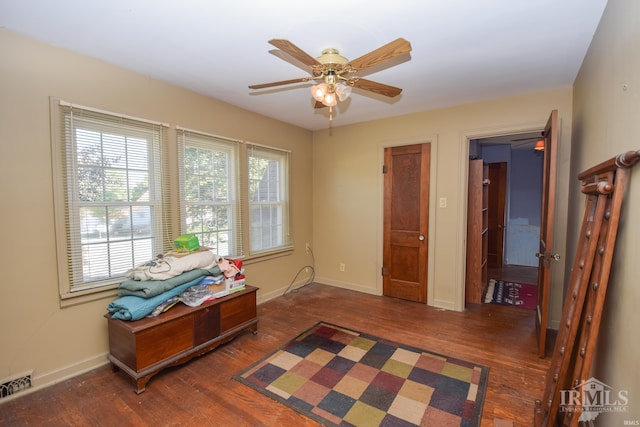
187 242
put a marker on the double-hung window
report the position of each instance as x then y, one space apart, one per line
209 191
114 204
220 180
108 195
268 198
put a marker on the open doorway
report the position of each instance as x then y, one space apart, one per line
536 172
515 172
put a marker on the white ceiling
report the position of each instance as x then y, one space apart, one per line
463 50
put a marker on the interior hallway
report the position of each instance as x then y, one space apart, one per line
514 273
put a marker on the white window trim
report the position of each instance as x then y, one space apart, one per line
285 188
99 289
231 148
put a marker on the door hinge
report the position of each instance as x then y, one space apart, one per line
385 271
385 169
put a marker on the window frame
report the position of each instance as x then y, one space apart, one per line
243 226
73 289
284 202
68 227
187 138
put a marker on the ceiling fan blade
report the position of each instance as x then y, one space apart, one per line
319 104
288 58
375 87
281 83
384 53
294 51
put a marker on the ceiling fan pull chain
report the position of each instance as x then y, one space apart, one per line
330 121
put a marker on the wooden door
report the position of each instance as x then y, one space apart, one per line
497 204
476 279
406 222
545 253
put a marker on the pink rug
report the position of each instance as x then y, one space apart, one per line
521 295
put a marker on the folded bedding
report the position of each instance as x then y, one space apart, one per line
131 307
151 288
172 264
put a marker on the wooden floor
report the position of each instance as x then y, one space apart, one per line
515 273
203 392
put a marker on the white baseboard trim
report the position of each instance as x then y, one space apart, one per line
47 379
349 286
443 304
264 297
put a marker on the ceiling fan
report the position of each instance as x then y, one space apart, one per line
539 145
336 74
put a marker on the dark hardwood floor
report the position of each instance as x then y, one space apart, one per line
514 273
202 392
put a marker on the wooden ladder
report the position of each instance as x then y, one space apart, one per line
604 186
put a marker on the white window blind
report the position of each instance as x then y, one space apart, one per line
210 191
112 199
268 198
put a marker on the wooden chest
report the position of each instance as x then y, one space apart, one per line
143 348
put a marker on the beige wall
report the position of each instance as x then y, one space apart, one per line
348 189
35 333
606 122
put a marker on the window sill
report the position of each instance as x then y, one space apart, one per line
267 255
69 299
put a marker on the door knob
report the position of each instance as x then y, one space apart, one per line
421 237
555 257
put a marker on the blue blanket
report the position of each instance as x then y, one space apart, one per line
132 307
151 288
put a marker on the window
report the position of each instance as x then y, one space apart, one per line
214 195
108 193
209 188
114 209
268 198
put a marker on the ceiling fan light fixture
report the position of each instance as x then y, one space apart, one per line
343 91
319 91
330 99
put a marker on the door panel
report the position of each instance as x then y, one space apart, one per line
497 208
406 221
545 253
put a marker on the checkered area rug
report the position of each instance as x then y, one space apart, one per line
341 377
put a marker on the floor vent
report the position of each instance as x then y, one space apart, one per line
14 386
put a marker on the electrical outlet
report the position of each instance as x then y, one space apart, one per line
342 267
443 202
307 247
